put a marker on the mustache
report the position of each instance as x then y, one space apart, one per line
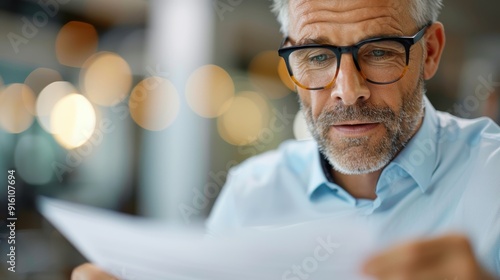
363 112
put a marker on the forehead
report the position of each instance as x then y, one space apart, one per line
345 22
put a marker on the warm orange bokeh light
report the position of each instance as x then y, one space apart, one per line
209 91
76 41
243 122
17 103
264 71
154 103
106 78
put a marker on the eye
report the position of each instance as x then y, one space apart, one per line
319 58
379 53
313 58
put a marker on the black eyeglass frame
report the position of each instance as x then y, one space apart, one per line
406 41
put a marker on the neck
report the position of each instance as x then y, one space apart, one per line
359 186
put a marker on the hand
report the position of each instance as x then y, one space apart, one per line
88 271
448 257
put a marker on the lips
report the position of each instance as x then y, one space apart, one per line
355 128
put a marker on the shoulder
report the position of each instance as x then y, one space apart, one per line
291 155
470 131
470 158
471 146
471 141
254 187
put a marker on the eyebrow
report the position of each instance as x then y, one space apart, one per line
308 41
325 41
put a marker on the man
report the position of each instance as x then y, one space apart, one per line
381 151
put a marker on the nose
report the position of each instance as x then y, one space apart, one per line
350 86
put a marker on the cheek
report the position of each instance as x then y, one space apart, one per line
390 95
314 100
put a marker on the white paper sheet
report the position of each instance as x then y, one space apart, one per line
134 248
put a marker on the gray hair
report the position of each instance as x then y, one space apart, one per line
422 11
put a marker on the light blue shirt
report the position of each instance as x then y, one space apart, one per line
446 178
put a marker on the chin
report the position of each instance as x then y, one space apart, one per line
361 155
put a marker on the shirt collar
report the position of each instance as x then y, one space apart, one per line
318 177
418 158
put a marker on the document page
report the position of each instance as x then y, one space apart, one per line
133 248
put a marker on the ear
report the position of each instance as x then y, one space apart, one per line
435 40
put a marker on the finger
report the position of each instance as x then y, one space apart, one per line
402 257
429 256
89 271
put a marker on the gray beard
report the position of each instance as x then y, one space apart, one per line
400 127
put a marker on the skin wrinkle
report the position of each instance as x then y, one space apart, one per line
394 9
398 106
326 40
340 42
322 40
329 12
381 27
342 17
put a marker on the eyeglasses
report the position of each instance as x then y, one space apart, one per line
379 60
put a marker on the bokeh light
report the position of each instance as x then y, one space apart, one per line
262 103
265 74
76 41
17 103
33 157
73 121
243 122
39 78
209 91
48 98
154 103
106 78
300 130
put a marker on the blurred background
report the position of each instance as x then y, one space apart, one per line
143 106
